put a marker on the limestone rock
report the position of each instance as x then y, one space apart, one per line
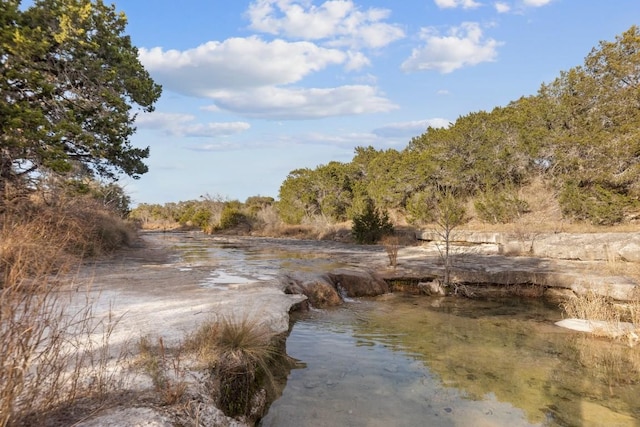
325 290
358 282
318 289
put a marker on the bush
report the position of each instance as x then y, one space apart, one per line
500 207
230 217
599 205
370 226
50 355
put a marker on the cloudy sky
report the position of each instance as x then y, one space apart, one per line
256 89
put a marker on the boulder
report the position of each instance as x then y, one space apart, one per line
317 288
352 282
326 290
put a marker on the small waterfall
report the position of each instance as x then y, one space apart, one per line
343 293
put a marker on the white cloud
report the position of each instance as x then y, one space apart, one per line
537 3
519 6
336 22
465 4
502 7
238 63
184 125
356 61
411 128
291 104
463 46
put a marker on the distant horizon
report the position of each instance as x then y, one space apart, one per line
256 89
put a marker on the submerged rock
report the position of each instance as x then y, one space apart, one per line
610 329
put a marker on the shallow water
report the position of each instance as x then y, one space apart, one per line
417 361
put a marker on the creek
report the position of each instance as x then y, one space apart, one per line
400 360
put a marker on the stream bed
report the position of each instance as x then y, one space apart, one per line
399 360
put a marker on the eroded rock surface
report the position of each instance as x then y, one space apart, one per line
330 289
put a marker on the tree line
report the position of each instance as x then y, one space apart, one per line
580 134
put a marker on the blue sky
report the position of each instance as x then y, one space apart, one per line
255 89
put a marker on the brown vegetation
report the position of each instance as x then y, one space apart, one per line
53 352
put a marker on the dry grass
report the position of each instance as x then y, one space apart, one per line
243 360
595 307
166 371
591 306
54 352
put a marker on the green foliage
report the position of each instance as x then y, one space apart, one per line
69 78
449 214
370 226
326 191
194 214
582 127
420 206
231 216
501 206
256 203
297 199
597 204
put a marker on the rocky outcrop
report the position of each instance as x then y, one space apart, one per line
330 289
568 246
319 291
562 262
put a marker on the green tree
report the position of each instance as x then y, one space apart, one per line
297 197
69 79
449 214
371 225
594 126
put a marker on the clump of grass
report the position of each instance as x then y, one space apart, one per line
243 359
244 367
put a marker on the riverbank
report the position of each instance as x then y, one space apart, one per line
164 288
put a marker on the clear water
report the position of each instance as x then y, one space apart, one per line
417 361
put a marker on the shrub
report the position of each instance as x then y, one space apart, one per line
230 217
392 246
599 205
370 226
500 207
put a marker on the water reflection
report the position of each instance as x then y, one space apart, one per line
409 361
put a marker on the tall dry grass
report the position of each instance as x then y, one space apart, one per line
54 351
